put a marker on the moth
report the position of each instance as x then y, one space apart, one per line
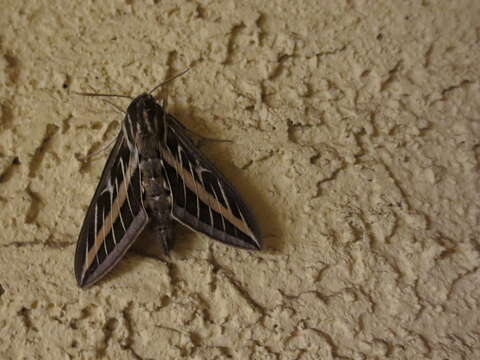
155 175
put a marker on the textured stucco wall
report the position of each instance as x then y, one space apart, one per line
356 128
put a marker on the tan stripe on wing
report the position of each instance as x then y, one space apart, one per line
206 197
122 195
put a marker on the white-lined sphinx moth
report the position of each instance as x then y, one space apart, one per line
155 174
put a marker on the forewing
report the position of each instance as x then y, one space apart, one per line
115 217
202 198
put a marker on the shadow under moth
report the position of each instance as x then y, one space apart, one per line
155 175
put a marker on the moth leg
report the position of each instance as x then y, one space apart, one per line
101 150
116 107
200 139
165 103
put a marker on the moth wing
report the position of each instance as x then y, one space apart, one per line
203 199
115 217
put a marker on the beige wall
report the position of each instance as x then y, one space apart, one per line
356 128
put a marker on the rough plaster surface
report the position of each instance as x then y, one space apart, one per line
357 143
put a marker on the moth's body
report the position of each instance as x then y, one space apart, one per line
157 199
155 175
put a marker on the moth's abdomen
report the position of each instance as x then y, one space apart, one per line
157 200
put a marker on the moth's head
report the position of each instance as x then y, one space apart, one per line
143 102
144 105
143 116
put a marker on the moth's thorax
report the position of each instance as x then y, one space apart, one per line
143 117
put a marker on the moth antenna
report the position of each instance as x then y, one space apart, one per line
169 80
101 95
